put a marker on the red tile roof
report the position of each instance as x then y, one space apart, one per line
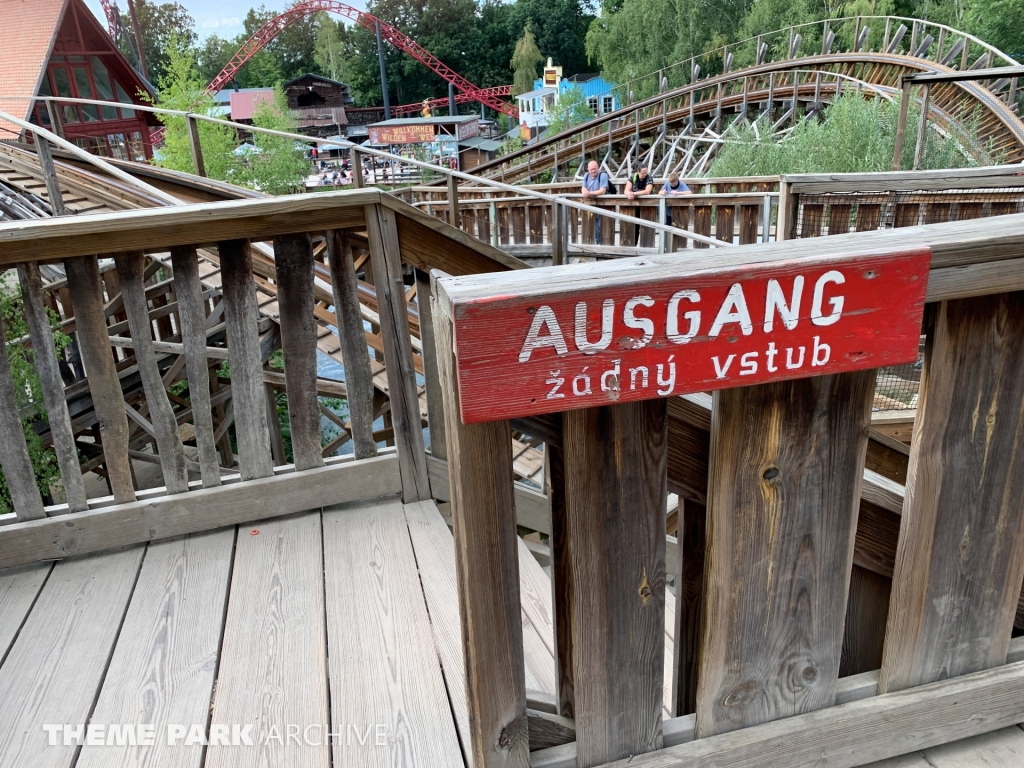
29 28
243 103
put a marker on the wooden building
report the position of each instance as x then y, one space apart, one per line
58 48
319 104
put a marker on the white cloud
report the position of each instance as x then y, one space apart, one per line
233 21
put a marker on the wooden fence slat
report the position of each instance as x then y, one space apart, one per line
192 318
14 458
385 254
84 274
783 495
960 557
692 536
293 265
354 355
810 219
435 400
702 223
750 219
249 401
172 454
615 492
868 217
724 216
487 570
839 219
561 581
48 368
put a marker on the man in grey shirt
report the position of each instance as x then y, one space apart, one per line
595 184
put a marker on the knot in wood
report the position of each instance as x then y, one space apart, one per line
770 474
645 589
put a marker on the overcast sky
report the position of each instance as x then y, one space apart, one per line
223 18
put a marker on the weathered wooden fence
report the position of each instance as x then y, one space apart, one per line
764 569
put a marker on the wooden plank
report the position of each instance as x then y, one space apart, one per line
689 605
435 401
538 636
172 453
386 256
19 588
996 748
14 459
158 229
547 730
52 386
272 670
56 666
104 386
355 360
615 503
241 316
561 542
383 667
862 731
864 630
484 517
960 559
783 497
151 519
163 666
293 262
192 318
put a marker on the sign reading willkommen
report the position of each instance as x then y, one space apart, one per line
693 332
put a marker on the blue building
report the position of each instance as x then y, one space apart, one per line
536 106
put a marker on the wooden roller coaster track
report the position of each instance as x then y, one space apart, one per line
680 128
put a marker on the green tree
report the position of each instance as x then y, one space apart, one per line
28 391
181 88
330 50
570 110
998 22
158 24
525 60
278 165
213 55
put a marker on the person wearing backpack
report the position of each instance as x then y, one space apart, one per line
596 184
640 184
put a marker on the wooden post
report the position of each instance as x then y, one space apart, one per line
559 235
922 126
960 557
277 450
293 264
492 221
453 201
386 257
901 124
692 542
435 401
192 319
196 146
52 386
356 361
615 491
14 458
561 580
84 274
50 176
172 455
56 121
487 572
357 168
248 400
783 496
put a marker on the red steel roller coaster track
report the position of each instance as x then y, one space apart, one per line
270 30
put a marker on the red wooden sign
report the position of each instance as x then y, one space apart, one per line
691 332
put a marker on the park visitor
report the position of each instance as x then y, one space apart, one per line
639 184
671 188
595 184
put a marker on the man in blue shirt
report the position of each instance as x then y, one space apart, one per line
595 184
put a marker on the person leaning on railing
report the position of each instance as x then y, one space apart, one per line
595 184
671 188
639 184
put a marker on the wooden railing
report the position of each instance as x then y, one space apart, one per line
188 289
764 572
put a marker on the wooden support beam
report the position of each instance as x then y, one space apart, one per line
293 259
198 164
104 386
52 385
172 454
355 359
689 565
960 557
783 496
50 177
241 316
357 168
615 491
435 400
192 320
562 591
487 571
453 202
14 458
386 257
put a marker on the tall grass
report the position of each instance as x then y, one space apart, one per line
853 135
